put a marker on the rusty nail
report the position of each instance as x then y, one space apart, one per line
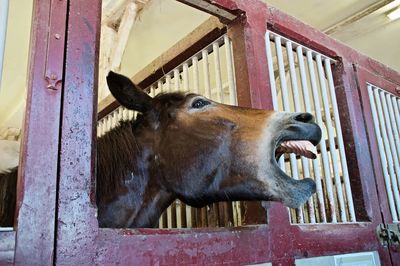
57 36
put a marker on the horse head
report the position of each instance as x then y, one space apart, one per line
201 151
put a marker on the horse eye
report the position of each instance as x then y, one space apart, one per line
200 103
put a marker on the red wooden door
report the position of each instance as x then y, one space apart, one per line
79 240
380 95
32 240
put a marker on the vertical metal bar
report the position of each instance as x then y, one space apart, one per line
152 91
305 161
274 92
206 72
296 97
339 136
114 119
185 77
159 86
394 127
320 122
131 114
103 126
396 114
389 158
109 122
286 107
189 217
168 82
176 79
169 215
195 67
98 128
230 71
331 137
119 114
392 144
218 78
178 214
316 166
382 156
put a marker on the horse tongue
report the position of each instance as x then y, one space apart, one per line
299 147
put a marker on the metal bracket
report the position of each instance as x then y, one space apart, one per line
389 235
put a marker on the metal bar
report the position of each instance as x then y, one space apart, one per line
168 82
103 126
195 68
396 113
206 72
274 92
331 137
339 136
387 151
152 91
324 154
305 161
190 218
185 77
394 125
119 113
230 71
176 79
217 69
131 114
178 214
392 144
160 86
382 156
286 107
169 216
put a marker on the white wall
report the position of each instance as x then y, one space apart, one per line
13 86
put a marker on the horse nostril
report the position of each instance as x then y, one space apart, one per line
304 117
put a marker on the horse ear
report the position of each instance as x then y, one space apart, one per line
128 94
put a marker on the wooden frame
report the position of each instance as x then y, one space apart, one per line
37 180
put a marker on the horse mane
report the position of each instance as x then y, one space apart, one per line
115 160
117 151
8 194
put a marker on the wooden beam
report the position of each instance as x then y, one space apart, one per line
224 14
127 20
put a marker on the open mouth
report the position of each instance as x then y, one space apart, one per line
299 147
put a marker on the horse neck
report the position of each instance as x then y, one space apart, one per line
126 194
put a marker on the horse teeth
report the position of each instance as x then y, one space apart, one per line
299 147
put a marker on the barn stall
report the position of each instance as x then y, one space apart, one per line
254 56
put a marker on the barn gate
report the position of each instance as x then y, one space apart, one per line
273 61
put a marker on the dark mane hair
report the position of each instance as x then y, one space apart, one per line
8 186
117 150
115 160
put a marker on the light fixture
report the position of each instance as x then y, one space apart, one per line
394 14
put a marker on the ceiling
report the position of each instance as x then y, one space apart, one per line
360 24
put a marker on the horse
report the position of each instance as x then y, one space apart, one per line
9 156
187 147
